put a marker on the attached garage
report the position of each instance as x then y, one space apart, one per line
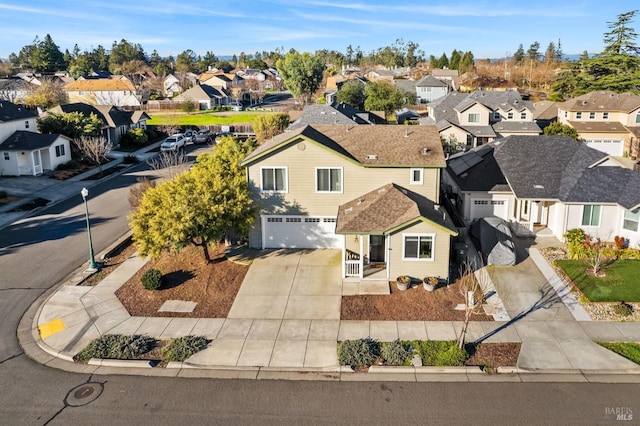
485 207
299 231
608 146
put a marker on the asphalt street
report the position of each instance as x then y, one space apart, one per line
39 252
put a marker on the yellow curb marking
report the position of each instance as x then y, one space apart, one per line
50 328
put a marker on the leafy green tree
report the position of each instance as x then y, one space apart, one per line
123 52
443 61
42 56
47 95
302 74
383 96
71 124
186 61
197 207
560 129
269 125
352 93
467 62
621 36
533 53
454 62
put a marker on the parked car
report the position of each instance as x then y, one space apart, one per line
174 143
219 136
235 106
190 135
204 136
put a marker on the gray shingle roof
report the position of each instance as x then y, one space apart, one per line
328 114
517 126
431 81
110 115
27 141
602 101
11 112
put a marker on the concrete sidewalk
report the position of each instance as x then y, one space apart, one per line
301 343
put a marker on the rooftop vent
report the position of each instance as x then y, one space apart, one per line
426 151
538 186
372 157
360 201
348 210
381 190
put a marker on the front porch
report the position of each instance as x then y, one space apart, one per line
531 219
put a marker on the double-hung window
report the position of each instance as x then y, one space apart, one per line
523 115
631 220
274 179
579 115
416 177
328 179
474 117
591 215
417 246
59 150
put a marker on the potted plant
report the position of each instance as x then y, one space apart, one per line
430 283
402 282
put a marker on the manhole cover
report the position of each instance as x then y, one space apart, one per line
83 394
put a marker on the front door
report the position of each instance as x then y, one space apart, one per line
376 248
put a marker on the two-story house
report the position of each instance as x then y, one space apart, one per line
23 151
429 88
116 90
371 191
607 121
474 119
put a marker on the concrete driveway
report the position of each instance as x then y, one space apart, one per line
292 285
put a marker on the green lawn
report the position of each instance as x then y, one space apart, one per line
621 283
629 350
203 118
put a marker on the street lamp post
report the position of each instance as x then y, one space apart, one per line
92 260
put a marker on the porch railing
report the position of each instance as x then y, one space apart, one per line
522 229
352 268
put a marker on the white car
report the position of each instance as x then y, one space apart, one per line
174 143
235 106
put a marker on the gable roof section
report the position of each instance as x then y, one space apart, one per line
598 126
110 115
431 81
517 126
387 209
22 140
477 170
370 146
11 112
202 91
326 114
101 84
603 101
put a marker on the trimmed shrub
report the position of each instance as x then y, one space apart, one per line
117 346
181 348
623 309
358 353
629 254
395 353
152 279
575 238
440 352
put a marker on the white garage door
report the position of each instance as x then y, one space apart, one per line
609 146
484 207
300 232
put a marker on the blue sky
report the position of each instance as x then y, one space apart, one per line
487 28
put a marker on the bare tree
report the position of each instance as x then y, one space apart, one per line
472 286
169 163
137 191
96 149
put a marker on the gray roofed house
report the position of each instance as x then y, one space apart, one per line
333 114
431 88
467 120
116 120
547 182
30 153
205 96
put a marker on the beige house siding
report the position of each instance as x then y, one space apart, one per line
455 132
438 267
301 181
463 117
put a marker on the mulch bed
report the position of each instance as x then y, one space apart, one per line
414 304
186 276
493 355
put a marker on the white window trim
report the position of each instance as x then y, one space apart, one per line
599 218
623 220
286 180
419 234
416 182
341 178
474 114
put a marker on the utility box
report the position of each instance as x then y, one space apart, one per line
461 250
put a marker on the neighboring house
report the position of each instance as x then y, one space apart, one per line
371 191
607 121
30 153
334 114
14 118
430 88
545 113
205 96
381 74
546 185
117 91
117 122
15 89
175 83
473 119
